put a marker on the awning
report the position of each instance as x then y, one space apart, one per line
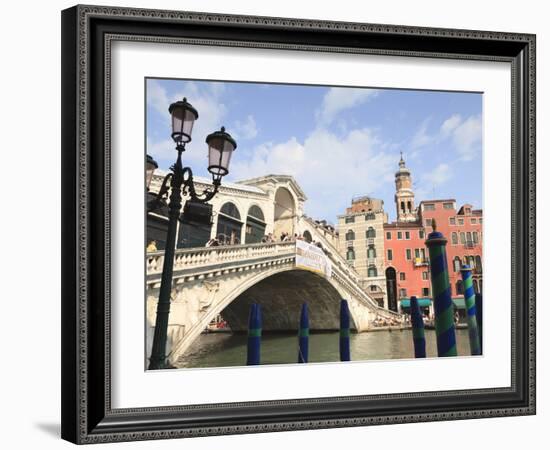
422 302
459 302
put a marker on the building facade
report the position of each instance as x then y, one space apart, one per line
240 213
361 242
406 257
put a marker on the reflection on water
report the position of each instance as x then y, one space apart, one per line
223 350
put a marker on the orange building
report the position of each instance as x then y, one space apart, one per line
405 253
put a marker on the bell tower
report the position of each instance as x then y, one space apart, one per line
404 195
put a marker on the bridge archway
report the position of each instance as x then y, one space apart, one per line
284 213
281 296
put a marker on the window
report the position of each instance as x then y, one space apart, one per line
417 253
372 272
425 292
407 235
461 221
371 232
467 211
424 275
399 235
480 221
390 254
454 238
447 206
473 221
479 268
429 207
408 254
462 237
456 264
428 222
452 220
373 288
402 276
350 254
475 237
402 293
459 290
469 238
350 219
371 252
421 234
350 235
388 235
370 216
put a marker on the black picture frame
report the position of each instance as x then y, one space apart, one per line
87 415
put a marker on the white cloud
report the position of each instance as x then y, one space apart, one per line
329 169
246 129
439 175
422 137
450 125
338 99
465 135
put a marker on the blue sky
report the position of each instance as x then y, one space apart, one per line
337 142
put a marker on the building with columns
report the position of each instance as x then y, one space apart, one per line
240 213
361 242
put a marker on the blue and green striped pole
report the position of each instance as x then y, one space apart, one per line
479 318
303 336
254 335
344 331
470 301
443 303
419 340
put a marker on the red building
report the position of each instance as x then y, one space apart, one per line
406 255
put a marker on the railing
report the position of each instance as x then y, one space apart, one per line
190 258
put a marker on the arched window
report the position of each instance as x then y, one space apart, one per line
307 236
350 235
229 225
475 237
469 238
454 238
350 254
409 206
476 288
229 209
371 252
462 237
403 206
255 225
471 262
456 264
459 290
479 268
371 232
372 272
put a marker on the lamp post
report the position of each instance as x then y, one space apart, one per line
220 147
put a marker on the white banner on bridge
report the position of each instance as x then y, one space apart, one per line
311 257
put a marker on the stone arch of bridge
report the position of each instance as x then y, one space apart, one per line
281 294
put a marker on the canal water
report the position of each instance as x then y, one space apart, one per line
225 349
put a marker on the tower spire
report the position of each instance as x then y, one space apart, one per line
404 195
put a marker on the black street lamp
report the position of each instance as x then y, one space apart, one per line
220 147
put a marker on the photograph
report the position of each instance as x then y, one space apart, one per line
295 223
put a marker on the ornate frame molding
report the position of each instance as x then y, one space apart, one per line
87 416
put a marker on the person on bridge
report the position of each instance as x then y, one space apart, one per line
152 246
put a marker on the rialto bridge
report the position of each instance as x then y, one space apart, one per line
226 279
